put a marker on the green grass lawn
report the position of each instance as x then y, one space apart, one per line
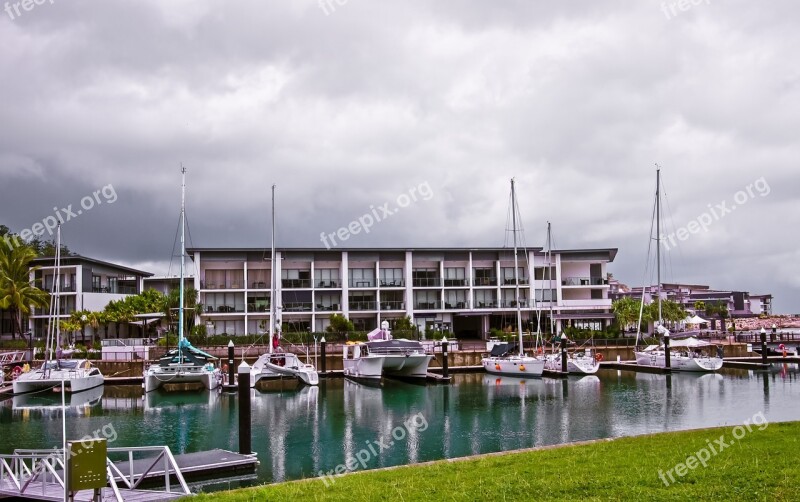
762 465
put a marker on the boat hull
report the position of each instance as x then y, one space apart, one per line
580 365
679 362
157 376
271 366
75 379
406 366
366 368
517 366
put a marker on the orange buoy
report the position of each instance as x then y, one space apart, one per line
16 372
598 357
497 367
522 367
539 350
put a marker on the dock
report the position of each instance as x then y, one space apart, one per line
632 366
436 378
195 465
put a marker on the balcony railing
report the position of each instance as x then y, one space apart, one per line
456 283
223 309
523 281
214 285
334 307
329 283
511 304
392 283
363 305
426 282
362 283
428 305
486 304
486 281
584 281
259 285
393 306
119 290
297 307
257 307
296 283
456 305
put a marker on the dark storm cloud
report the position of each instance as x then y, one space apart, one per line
350 109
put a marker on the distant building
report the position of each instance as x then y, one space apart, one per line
739 303
86 284
466 291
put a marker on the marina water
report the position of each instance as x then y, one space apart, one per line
301 432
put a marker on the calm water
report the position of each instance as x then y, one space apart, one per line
298 433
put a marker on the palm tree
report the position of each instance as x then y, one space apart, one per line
17 292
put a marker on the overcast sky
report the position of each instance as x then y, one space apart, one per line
352 104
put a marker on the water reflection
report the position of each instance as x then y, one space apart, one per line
298 432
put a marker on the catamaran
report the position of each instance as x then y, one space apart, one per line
74 375
276 363
691 359
185 364
502 360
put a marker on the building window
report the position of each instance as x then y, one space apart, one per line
392 277
485 277
426 300
507 274
425 277
485 298
327 278
455 276
361 277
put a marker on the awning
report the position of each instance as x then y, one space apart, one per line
144 322
690 342
695 320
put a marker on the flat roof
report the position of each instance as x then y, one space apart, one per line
85 259
612 252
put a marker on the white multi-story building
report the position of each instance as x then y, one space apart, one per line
86 284
463 290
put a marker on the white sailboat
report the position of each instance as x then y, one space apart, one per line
276 364
184 364
578 363
501 360
359 364
691 359
74 375
402 358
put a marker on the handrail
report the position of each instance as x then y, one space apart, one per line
25 466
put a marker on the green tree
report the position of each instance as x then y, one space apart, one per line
700 306
340 324
191 306
626 311
18 293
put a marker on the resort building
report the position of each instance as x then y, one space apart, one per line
739 303
466 291
86 284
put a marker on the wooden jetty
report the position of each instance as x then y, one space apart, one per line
632 366
436 378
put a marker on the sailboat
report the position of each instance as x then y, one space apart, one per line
689 359
276 364
185 364
579 363
502 360
74 375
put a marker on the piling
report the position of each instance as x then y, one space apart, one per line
667 364
445 362
323 346
230 363
245 439
764 360
564 353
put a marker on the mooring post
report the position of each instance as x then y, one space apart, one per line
764 347
774 332
445 362
666 351
230 363
245 446
564 353
323 346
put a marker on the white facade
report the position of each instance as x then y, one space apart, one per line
461 290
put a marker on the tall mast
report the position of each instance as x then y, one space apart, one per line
550 275
658 237
516 278
58 288
272 283
183 255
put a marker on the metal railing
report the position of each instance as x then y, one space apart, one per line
584 281
26 473
426 282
